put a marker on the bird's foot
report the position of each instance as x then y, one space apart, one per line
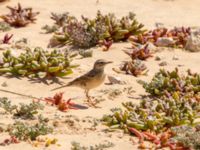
91 103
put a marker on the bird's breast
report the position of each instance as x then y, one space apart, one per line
95 82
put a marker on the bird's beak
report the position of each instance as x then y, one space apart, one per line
109 62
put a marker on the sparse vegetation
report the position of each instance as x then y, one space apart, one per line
178 36
101 146
23 131
87 32
4 26
24 111
6 105
20 17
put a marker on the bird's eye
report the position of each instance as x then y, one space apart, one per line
102 63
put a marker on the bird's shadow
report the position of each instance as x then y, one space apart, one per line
79 106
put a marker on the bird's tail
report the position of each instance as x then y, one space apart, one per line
69 84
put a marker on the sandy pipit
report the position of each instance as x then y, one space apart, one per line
90 80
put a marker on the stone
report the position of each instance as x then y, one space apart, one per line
151 46
175 57
115 80
157 58
164 63
164 41
159 25
193 41
120 135
4 84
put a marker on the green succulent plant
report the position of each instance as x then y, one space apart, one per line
87 32
37 63
173 101
173 84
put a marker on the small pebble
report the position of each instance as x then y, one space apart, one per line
157 58
109 135
164 41
175 57
180 65
133 141
55 123
4 84
159 25
120 135
99 134
115 80
164 63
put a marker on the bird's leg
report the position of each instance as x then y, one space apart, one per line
87 94
89 101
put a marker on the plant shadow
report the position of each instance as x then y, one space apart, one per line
47 80
44 80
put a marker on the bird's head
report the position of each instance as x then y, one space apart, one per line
101 63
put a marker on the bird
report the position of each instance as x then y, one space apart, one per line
90 80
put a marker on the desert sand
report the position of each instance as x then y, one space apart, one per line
169 12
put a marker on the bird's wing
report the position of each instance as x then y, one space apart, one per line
83 79
80 80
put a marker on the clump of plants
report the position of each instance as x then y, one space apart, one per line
25 111
8 141
134 67
87 32
50 29
61 19
137 55
141 53
58 101
173 104
28 111
37 63
6 39
4 26
6 105
24 131
186 137
19 17
101 146
86 53
173 84
178 35
156 115
106 44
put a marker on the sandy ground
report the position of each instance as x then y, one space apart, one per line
170 13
